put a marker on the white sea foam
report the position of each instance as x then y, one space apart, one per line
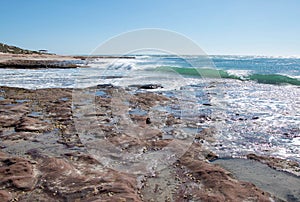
295 77
277 109
239 72
143 57
296 141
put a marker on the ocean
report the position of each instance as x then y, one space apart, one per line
253 102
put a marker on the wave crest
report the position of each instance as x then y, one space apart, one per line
276 79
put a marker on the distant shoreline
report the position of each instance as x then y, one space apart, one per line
37 61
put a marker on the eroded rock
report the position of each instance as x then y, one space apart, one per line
10 114
70 182
277 163
5 196
17 173
218 184
65 171
32 124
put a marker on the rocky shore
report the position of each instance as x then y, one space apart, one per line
43 155
35 61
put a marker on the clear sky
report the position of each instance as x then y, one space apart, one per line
255 27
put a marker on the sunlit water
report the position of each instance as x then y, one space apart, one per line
248 116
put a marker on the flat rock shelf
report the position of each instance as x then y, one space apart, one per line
43 157
281 184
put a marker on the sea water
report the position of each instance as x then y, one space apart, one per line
253 101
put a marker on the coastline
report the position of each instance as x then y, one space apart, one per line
39 61
35 61
140 101
42 154
37 126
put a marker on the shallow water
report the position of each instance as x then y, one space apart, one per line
280 184
249 117
258 118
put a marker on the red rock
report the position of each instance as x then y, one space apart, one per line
2 155
277 163
10 114
146 100
219 183
86 158
70 182
53 166
18 173
20 135
5 196
32 124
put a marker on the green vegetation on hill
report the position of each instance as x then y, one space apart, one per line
15 50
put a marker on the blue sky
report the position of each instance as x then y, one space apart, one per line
254 27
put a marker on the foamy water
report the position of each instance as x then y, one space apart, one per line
249 117
259 118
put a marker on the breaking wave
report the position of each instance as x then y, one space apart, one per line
276 79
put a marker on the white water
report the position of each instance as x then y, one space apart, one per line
276 132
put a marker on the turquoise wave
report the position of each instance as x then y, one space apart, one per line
275 79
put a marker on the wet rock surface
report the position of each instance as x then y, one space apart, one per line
114 154
282 184
18 173
5 196
277 163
